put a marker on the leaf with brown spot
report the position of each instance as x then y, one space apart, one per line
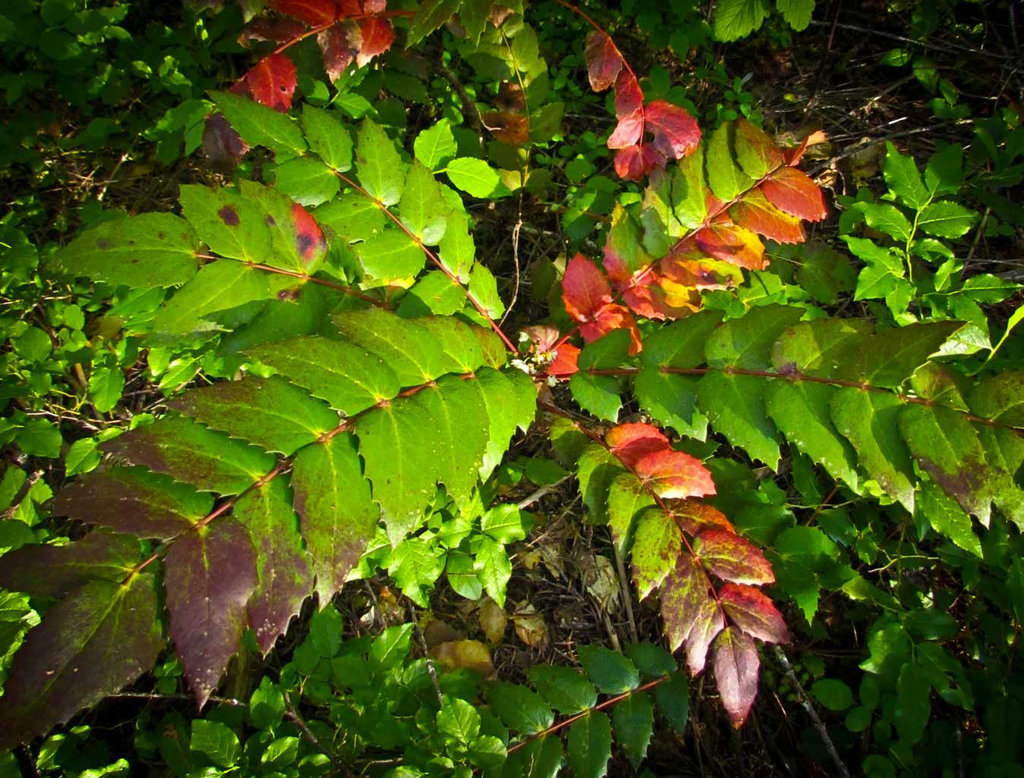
691 615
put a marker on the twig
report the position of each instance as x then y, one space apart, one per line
293 715
530 499
426 655
780 655
626 594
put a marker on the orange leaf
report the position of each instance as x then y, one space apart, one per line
694 516
585 290
271 81
757 213
609 319
632 442
377 37
795 193
564 363
675 474
733 244
507 127
753 611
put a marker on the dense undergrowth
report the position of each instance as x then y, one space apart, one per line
411 389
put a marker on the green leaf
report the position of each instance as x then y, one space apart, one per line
735 19
946 219
430 15
589 745
215 741
834 695
888 219
461 571
105 387
735 405
261 126
457 250
904 179
269 412
673 698
948 519
306 180
521 709
503 523
409 350
493 568
869 420
266 706
327 137
421 208
231 225
944 173
207 459
106 635
689 192
633 720
612 672
913 703
390 256
891 356
391 646
381 170
651 660
797 13
599 394
436 145
483 287
458 720
539 758
657 544
218 286
725 177
565 690
152 249
627 497
473 176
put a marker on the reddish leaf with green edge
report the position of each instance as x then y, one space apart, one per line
209 576
565 361
269 412
336 512
753 611
312 12
339 44
734 244
755 151
732 558
53 571
309 238
134 500
635 162
675 132
282 565
695 516
92 643
629 129
736 666
626 498
204 458
611 318
603 60
757 213
690 612
585 290
632 442
271 81
656 546
672 474
795 193
376 37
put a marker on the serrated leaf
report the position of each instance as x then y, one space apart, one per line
633 720
736 407
521 709
269 412
327 137
732 558
216 741
603 60
408 349
753 612
151 249
797 13
589 745
692 617
627 497
390 256
493 568
483 287
380 168
261 126
673 698
946 219
725 177
306 180
889 219
272 81
217 287
436 145
430 15
735 19
793 191
416 564
209 576
565 689
736 666
904 179
421 208
473 176
755 151
282 565
207 459
91 644
610 671
656 547
948 519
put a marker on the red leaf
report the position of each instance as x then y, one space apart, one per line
628 131
309 238
795 193
377 37
672 474
691 615
736 665
339 45
753 611
675 132
272 82
312 12
694 516
635 162
757 213
564 363
734 244
628 95
603 60
585 290
632 442
732 558
276 30
613 317
208 577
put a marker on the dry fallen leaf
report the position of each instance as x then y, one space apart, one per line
493 621
471 654
530 626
